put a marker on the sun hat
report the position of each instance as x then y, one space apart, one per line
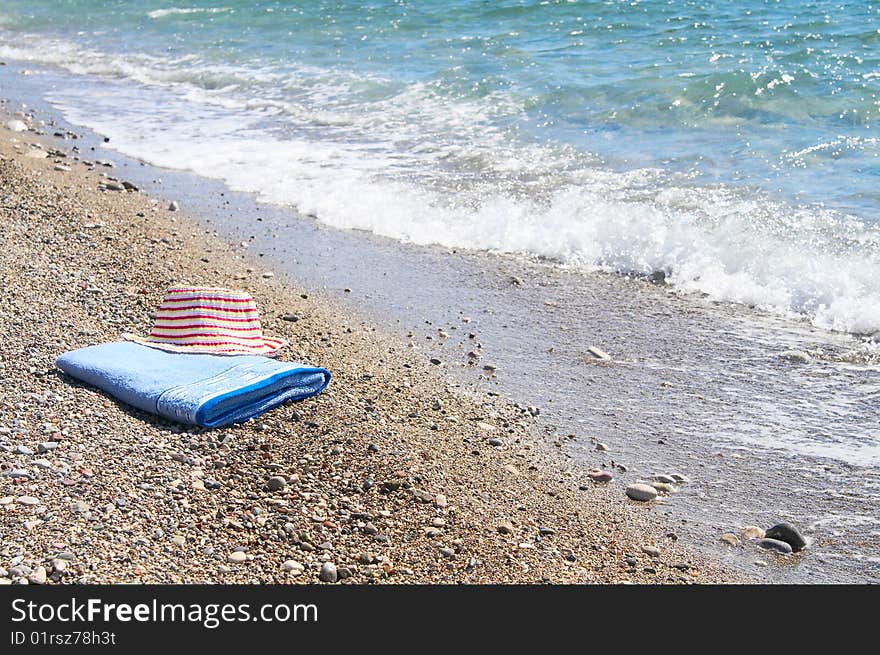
208 320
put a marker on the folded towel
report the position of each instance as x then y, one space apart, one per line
207 390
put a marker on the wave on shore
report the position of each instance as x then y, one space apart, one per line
413 163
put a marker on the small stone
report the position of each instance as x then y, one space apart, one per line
495 442
505 527
433 532
447 552
17 126
510 468
440 500
328 572
789 534
600 476
601 447
173 206
752 532
268 274
113 186
47 446
730 538
664 487
27 500
38 576
598 353
292 566
23 450
641 492
290 318
681 479
668 479
775 544
79 507
653 551
178 540
276 483
435 361
237 556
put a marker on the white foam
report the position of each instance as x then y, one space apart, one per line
171 11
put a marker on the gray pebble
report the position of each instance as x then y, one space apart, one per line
775 544
328 572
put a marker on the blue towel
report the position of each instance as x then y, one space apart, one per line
206 390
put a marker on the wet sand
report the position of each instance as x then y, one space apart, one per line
395 474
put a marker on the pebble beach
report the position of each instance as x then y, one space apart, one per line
394 474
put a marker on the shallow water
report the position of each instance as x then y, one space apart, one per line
731 145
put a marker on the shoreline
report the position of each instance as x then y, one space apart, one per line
84 264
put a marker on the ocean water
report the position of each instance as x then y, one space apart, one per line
733 146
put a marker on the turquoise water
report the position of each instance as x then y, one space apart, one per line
732 145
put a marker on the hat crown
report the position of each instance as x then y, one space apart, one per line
211 320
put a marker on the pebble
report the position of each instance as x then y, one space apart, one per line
79 507
775 544
787 533
598 353
681 479
276 483
23 450
602 447
237 556
47 446
601 476
268 274
17 126
796 357
292 566
730 538
505 527
447 552
653 551
668 479
328 572
440 500
752 532
38 576
495 442
664 487
641 492
173 206
27 500
178 540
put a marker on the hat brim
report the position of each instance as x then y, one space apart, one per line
268 347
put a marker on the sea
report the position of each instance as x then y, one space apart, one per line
720 154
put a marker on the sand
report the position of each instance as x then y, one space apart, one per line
393 474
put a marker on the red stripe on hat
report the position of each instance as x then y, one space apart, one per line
158 326
187 317
211 344
209 298
210 335
244 310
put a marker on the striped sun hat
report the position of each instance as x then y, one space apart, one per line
208 320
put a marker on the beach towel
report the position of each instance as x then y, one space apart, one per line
197 389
